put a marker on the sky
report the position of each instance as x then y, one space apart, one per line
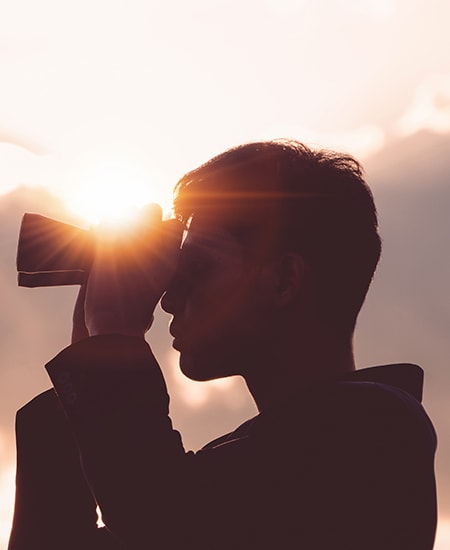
114 100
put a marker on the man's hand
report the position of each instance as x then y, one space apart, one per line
129 274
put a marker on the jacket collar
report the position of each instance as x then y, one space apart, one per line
406 376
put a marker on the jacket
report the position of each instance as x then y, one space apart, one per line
347 463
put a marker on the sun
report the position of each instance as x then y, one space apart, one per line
111 190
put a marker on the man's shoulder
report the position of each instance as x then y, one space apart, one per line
334 408
348 413
375 405
363 397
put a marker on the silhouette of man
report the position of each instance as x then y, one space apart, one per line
280 249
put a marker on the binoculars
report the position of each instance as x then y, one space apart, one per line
53 253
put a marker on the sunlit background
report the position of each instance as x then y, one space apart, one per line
106 104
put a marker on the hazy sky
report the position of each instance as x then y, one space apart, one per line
100 97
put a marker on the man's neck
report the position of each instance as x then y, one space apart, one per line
289 368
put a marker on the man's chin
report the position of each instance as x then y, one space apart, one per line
192 368
200 370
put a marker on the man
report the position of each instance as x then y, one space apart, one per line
280 249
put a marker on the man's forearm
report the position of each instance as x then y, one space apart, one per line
116 400
54 508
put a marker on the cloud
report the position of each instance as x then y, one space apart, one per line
406 318
430 107
362 141
407 314
20 166
7 488
443 535
230 392
92 185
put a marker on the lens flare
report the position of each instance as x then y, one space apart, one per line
111 191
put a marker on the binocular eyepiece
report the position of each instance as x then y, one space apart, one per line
53 253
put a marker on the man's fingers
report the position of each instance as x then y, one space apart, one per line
130 273
147 221
151 213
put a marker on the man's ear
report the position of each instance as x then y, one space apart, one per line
291 275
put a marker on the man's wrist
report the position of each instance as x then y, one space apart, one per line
108 323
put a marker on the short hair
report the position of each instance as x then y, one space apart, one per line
283 195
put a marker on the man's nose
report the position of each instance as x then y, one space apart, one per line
167 302
172 301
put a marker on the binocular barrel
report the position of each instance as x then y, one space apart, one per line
53 253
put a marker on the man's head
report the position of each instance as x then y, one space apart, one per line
265 204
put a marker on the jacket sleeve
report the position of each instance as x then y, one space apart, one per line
54 508
115 397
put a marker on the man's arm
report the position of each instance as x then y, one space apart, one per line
115 397
126 281
54 508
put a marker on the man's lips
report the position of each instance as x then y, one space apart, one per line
177 336
174 330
